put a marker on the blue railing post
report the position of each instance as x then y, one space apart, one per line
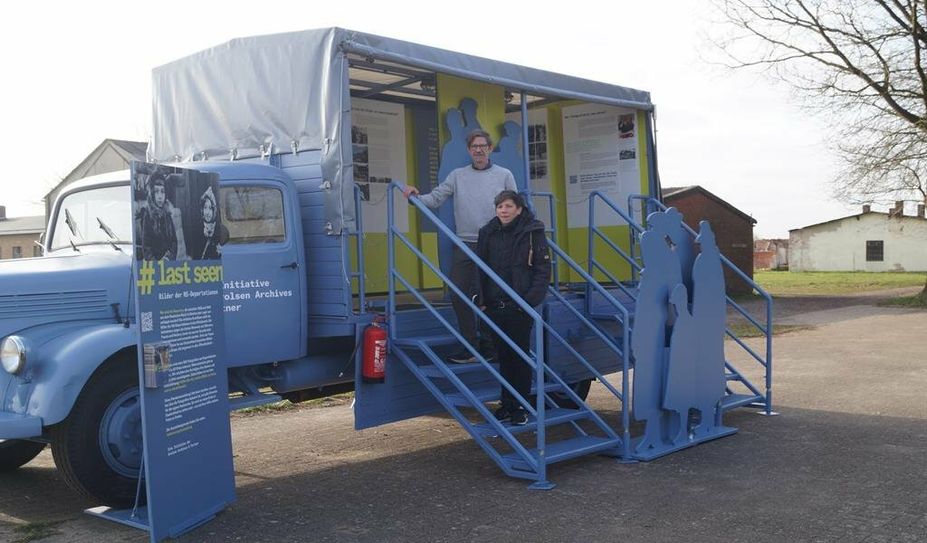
542 482
769 368
393 327
590 252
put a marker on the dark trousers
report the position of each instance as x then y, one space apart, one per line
516 324
464 275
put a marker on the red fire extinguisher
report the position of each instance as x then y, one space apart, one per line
373 367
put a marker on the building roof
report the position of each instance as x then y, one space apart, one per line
129 150
22 225
670 193
886 215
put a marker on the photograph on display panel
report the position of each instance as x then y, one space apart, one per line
177 214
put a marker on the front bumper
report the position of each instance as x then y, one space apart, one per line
15 426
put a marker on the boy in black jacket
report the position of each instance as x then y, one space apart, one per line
514 246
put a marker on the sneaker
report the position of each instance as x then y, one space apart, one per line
502 413
519 417
463 356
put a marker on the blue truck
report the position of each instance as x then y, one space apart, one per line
305 131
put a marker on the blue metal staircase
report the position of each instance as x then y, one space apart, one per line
562 424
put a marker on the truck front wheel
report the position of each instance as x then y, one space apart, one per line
17 452
98 447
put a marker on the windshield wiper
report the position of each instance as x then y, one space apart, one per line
109 232
72 224
74 246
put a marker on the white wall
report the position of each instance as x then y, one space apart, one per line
841 245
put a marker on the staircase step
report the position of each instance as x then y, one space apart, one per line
433 341
488 393
552 417
432 370
604 316
565 450
732 401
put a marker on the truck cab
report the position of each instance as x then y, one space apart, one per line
67 323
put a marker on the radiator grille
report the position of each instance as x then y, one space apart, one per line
52 303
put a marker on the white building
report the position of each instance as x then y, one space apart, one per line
870 241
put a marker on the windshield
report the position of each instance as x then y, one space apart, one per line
80 215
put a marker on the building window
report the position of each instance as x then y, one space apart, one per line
875 250
17 251
36 250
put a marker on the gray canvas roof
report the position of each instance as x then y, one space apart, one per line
291 92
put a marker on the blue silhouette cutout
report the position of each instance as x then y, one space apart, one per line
506 153
683 369
469 106
670 383
453 155
649 336
709 309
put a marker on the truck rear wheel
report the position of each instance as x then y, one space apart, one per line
17 452
580 388
98 448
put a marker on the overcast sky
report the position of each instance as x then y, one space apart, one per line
79 73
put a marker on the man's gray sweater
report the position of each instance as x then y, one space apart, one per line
474 192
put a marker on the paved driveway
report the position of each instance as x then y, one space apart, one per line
845 461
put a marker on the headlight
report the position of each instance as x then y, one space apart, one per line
13 354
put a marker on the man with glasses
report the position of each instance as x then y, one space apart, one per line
474 188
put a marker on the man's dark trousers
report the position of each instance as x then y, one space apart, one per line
464 275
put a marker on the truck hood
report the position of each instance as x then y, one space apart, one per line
67 287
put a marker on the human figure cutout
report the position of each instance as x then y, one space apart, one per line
649 336
507 155
469 106
684 249
454 152
709 308
683 370
453 155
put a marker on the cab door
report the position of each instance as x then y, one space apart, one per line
261 261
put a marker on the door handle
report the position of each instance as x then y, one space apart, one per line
292 265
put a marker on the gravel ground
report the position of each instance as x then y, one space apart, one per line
845 461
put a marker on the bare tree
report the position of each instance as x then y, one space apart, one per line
861 63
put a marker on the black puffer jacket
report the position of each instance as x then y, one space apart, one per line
518 253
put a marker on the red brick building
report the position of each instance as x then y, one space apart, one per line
733 228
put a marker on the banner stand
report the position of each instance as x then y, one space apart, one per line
183 384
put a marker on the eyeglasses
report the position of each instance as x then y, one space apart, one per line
480 146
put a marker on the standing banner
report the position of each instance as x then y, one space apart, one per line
178 239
